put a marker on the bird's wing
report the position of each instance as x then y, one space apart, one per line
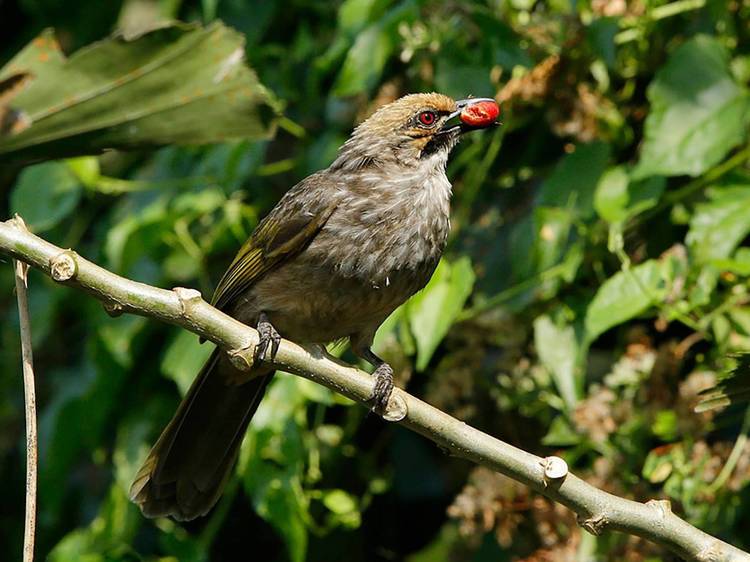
286 231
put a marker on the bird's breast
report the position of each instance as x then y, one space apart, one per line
389 230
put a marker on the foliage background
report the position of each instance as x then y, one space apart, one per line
595 283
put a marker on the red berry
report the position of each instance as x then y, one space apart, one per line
480 114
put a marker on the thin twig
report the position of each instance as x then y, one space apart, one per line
734 456
597 510
21 270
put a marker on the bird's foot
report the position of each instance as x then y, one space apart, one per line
381 393
268 337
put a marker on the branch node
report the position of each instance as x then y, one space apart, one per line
64 266
188 297
555 470
114 309
242 358
662 507
18 222
594 525
396 409
712 553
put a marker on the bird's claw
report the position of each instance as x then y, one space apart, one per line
268 336
381 393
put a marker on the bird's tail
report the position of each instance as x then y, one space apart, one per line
188 466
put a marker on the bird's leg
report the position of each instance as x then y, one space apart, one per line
383 379
268 336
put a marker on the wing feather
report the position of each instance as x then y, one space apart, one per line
285 232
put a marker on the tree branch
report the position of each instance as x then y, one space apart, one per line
21 269
597 510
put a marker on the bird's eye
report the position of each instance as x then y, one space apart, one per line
427 118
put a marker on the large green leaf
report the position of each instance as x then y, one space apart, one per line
720 224
366 59
176 84
432 311
370 53
184 358
623 296
45 194
557 348
698 112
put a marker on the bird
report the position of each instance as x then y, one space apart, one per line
339 252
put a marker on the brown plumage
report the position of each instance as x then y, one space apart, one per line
339 252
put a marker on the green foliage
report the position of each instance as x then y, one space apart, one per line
596 284
558 352
721 223
273 468
176 84
698 112
433 311
45 195
623 296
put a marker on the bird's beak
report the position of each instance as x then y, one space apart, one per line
463 109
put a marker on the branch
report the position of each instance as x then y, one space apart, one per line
597 510
21 269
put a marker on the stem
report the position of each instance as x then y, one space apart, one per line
30 403
734 456
675 8
512 291
636 30
672 197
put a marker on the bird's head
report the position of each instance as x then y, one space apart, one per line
415 130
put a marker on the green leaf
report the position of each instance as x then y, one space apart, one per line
277 499
623 296
557 348
184 358
665 425
698 112
601 36
354 14
338 501
718 225
343 507
561 434
86 169
364 62
45 194
138 216
552 233
739 264
573 182
177 84
451 77
644 194
432 311
117 337
618 197
611 197
366 59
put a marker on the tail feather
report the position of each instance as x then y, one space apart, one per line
186 470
